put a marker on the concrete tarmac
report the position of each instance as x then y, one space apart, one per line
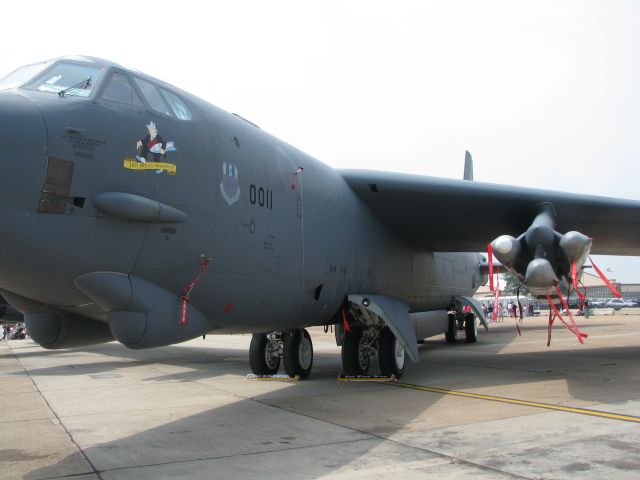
189 411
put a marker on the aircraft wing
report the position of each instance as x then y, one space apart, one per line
449 215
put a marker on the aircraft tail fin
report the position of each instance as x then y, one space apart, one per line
468 166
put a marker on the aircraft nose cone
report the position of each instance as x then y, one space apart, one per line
23 156
23 143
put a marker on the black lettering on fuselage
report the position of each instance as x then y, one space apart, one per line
260 196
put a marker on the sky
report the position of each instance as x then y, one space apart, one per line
542 93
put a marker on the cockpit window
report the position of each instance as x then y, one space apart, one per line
21 75
165 102
179 108
121 90
65 75
153 96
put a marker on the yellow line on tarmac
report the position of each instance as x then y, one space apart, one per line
525 403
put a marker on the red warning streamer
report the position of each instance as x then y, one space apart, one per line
574 280
605 279
345 321
184 309
573 328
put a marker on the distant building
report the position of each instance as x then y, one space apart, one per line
595 288
593 284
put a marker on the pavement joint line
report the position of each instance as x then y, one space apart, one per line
64 427
514 401
234 455
9 422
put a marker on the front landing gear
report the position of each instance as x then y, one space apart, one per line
297 353
294 347
264 353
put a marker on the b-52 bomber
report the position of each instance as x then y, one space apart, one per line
132 210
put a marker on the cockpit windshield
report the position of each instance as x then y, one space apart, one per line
21 75
65 75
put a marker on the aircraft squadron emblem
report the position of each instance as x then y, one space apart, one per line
229 185
152 147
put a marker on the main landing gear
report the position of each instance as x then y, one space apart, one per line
367 337
462 321
294 347
362 343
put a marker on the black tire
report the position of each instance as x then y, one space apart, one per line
261 364
391 355
452 333
352 362
298 353
471 328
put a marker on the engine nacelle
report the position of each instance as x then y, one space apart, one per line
141 314
541 257
8 313
60 330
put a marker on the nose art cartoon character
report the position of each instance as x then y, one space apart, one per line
153 144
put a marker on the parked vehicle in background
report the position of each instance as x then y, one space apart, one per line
596 303
618 303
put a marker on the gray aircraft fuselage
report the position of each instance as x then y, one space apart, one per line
286 246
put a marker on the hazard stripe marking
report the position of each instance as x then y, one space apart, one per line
514 401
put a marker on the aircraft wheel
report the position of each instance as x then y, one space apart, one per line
355 358
471 328
298 353
452 333
391 355
263 358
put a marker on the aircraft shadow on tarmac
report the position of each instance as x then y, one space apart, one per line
281 427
